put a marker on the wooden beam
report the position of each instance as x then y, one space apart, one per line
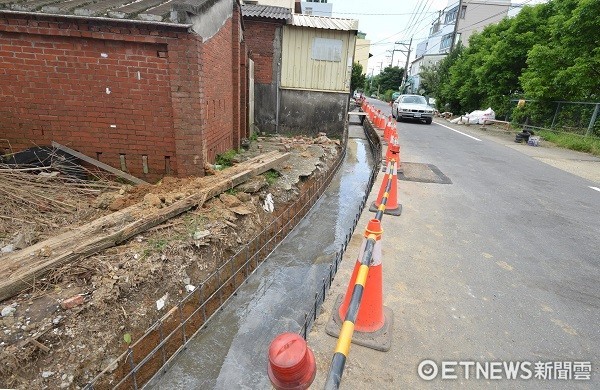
99 164
20 269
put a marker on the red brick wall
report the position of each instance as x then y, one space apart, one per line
179 107
259 38
217 63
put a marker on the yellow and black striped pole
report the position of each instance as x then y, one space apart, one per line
345 337
388 188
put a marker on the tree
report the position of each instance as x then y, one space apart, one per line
566 65
357 80
429 80
389 78
547 52
448 99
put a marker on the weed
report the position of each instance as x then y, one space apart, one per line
155 245
231 191
271 176
226 159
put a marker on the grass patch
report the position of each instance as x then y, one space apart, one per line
225 159
271 176
572 141
154 245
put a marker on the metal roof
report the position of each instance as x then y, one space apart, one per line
266 11
157 11
324 22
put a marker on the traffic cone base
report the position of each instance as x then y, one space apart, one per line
396 212
380 340
392 206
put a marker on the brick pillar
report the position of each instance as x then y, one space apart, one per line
235 82
244 92
186 96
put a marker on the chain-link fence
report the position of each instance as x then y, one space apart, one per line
582 118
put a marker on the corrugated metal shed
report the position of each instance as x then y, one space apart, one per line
324 22
316 58
266 11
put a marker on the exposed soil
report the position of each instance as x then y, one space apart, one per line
45 345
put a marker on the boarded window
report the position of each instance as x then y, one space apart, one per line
327 49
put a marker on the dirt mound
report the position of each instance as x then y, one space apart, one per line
74 322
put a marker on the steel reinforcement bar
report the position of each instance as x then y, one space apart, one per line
162 342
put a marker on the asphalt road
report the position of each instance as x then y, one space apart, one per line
501 265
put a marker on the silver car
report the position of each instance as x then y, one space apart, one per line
412 107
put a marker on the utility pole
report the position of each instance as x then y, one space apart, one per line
393 51
455 32
407 51
406 66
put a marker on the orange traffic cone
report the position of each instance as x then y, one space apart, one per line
392 207
389 129
370 315
391 141
373 323
393 150
386 134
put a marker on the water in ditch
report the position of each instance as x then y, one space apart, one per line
231 353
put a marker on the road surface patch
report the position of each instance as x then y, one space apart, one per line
422 173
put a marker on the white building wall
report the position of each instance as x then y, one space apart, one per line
480 13
316 8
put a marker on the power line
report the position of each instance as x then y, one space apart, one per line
368 14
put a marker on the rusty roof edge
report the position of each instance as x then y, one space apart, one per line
99 18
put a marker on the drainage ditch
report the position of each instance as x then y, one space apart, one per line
196 345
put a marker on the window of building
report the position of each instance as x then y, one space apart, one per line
463 12
327 49
451 15
446 41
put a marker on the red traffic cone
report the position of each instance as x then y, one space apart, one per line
373 322
292 364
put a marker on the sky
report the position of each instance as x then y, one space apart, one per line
388 21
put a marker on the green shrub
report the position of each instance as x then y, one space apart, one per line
271 176
225 159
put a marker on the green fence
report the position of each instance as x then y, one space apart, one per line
582 118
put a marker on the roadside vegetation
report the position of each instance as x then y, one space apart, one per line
544 55
572 141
